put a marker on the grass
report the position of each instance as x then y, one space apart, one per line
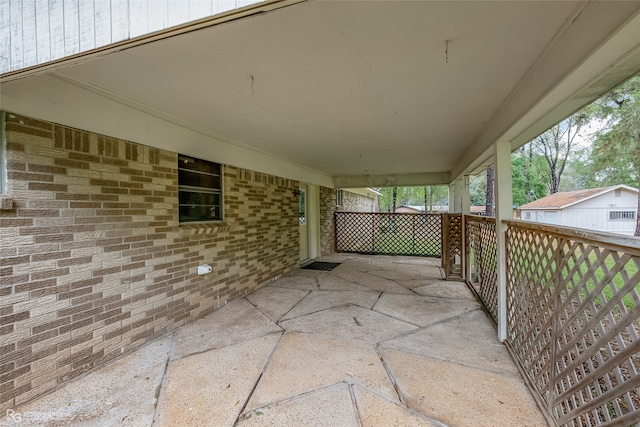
402 242
399 244
618 280
609 262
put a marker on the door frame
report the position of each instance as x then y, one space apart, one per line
312 219
303 227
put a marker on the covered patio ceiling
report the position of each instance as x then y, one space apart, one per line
358 93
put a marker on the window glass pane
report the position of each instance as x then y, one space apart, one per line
302 204
193 198
622 215
199 213
200 190
195 179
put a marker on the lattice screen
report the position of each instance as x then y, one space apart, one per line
388 234
452 225
481 256
573 310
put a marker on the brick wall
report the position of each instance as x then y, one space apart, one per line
327 230
94 262
354 202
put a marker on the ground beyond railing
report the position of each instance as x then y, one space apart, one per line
388 233
573 304
573 311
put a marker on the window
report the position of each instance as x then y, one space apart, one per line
199 190
629 215
527 215
338 197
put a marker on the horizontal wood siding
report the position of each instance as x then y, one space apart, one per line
34 32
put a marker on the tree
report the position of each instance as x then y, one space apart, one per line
528 183
615 153
395 197
426 200
488 206
478 189
429 196
576 174
557 143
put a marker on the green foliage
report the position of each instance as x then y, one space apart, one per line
576 176
615 152
557 143
478 189
528 180
613 157
413 196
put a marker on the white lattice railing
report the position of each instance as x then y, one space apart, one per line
453 244
480 259
573 316
573 310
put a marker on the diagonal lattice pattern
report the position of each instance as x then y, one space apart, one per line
388 234
573 310
453 243
481 255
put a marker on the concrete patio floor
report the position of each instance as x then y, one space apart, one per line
378 341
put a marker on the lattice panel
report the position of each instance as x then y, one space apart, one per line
388 234
530 278
481 247
574 324
454 235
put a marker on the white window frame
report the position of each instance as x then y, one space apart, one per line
339 198
622 215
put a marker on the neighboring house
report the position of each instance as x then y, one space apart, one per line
419 209
357 200
478 210
410 209
612 209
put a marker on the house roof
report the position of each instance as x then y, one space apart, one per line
568 198
368 192
414 208
477 209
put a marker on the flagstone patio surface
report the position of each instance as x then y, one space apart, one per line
378 341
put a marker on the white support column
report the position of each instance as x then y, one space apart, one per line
313 220
452 197
466 195
466 210
455 196
504 210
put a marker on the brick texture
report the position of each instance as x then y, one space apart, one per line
327 208
353 202
95 263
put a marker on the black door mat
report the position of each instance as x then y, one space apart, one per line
325 266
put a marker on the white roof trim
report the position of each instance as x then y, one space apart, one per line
604 191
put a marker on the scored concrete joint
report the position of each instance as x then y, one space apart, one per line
370 343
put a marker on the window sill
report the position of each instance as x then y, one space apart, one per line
192 229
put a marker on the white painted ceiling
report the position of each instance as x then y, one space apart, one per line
342 87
